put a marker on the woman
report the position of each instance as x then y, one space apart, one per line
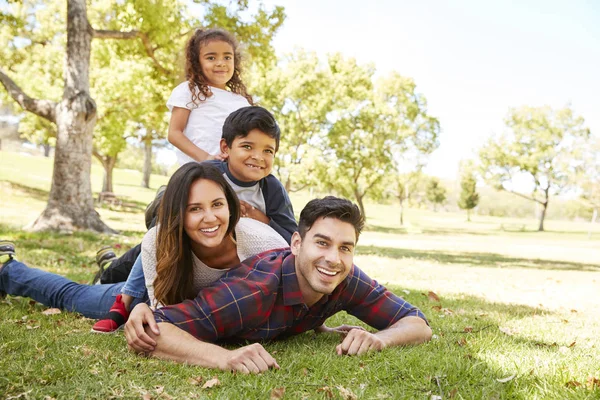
196 240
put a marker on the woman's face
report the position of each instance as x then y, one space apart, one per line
206 215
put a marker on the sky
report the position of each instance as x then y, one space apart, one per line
473 60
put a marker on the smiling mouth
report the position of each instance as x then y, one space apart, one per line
210 230
255 166
327 272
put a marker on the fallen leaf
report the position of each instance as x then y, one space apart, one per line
507 379
453 393
565 321
327 391
572 384
32 302
159 389
304 371
196 381
436 308
506 331
211 382
483 315
447 311
146 396
277 393
592 383
572 344
346 393
432 296
32 327
51 311
573 311
462 342
468 329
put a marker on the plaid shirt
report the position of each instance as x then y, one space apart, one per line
261 300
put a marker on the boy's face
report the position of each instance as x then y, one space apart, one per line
250 158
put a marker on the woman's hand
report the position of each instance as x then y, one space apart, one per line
137 339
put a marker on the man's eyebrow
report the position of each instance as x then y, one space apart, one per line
320 235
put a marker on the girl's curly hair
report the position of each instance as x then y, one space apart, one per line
193 72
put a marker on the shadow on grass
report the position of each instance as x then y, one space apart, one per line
35 193
476 259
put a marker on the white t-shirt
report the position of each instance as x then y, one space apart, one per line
205 124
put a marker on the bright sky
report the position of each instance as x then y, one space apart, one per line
471 59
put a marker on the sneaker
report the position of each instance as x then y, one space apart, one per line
104 257
152 208
115 318
7 252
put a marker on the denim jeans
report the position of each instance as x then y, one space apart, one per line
92 301
135 285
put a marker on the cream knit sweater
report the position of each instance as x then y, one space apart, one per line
252 237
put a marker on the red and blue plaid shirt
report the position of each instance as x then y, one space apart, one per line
261 300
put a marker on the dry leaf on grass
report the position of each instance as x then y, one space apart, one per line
146 396
453 393
51 311
346 393
572 344
572 384
462 342
277 393
507 331
211 383
436 308
592 383
159 389
507 379
327 391
196 381
432 296
468 329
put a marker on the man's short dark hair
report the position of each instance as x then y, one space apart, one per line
330 207
240 122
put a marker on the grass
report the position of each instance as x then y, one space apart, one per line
515 315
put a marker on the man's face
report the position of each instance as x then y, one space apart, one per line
250 157
324 257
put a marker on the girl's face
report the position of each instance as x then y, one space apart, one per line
206 215
217 63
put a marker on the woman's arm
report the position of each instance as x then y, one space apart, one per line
179 120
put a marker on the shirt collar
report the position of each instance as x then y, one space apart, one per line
234 179
291 290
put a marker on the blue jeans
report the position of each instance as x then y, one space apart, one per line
92 301
135 285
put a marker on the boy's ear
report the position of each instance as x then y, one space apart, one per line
224 147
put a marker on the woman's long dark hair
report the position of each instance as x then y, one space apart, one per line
193 71
174 267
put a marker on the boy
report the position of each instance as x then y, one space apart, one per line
250 140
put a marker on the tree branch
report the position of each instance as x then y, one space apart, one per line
104 34
43 108
524 196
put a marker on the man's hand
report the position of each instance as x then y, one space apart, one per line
250 211
137 339
358 342
248 359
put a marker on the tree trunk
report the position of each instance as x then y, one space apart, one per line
147 170
544 208
108 163
70 204
46 147
359 200
468 215
401 212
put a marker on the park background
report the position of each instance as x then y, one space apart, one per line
426 115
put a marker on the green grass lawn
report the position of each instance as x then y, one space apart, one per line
515 313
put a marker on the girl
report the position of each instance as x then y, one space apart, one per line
200 105
196 240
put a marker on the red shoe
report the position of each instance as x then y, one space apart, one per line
115 318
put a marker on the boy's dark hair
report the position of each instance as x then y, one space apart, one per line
240 122
330 207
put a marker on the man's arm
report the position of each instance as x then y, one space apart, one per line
177 345
407 331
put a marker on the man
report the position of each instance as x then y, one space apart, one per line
282 293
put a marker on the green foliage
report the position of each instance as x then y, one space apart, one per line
469 198
435 192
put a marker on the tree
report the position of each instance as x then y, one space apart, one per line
542 145
372 126
149 27
435 192
469 198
